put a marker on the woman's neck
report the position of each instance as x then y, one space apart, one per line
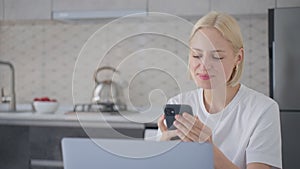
216 100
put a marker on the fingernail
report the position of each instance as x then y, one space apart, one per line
185 114
175 123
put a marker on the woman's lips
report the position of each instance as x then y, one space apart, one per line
203 76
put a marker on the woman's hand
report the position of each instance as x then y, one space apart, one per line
190 128
166 134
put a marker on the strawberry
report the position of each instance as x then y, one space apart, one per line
45 99
36 99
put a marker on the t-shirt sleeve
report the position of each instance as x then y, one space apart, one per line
265 142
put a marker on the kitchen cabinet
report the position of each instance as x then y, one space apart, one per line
39 147
180 8
288 3
14 147
290 139
1 9
34 140
243 6
27 9
45 142
87 5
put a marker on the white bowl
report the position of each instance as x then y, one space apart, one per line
45 107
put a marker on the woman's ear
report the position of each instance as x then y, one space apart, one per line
240 56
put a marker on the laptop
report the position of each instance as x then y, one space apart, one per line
86 153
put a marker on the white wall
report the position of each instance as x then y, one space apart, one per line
44 55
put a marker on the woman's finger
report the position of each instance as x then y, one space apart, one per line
196 123
190 133
202 137
194 119
195 130
167 135
187 123
161 125
192 126
182 136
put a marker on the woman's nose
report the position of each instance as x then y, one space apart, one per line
205 61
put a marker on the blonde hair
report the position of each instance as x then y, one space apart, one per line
230 30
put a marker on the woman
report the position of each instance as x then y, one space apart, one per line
242 124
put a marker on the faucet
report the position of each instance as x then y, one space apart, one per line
12 87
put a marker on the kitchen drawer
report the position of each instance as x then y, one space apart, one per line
45 167
14 147
45 142
290 127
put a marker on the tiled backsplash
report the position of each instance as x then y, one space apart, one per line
44 54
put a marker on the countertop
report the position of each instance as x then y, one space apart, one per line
128 119
63 117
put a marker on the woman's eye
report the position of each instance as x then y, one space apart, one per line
216 56
197 56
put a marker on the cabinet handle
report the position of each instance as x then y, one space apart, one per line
49 163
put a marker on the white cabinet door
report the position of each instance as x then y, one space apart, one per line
1 9
27 9
180 8
288 3
84 5
243 6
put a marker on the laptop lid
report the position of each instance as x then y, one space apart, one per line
86 153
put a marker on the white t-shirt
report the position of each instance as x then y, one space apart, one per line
246 131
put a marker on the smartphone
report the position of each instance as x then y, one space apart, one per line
171 110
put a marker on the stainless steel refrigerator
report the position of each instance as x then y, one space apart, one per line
284 53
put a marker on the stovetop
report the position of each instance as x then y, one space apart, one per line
99 107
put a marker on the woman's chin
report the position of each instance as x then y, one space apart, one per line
203 85
209 85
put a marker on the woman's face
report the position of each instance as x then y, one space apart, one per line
211 58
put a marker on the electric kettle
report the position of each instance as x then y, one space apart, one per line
108 93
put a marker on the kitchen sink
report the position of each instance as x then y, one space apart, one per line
17 111
21 108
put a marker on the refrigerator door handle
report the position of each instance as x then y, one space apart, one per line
273 64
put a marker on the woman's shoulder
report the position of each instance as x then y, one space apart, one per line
253 106
253 97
